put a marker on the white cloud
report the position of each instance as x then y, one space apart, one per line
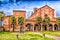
28 6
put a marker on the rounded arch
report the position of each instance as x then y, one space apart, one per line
55 27
28 26
35 26
50 26
44 27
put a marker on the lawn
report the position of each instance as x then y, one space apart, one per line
54 33
25 36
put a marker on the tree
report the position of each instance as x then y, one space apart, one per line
2 15
13 19
39 21
20 21
46 20
58 21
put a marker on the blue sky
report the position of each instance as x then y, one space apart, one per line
8 7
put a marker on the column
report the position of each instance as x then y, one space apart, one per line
58 27
41 27
53 27
33 27
36 29
47 27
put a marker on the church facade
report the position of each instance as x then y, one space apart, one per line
30 23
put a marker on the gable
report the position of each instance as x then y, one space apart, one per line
46 6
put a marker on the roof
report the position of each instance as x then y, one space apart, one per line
46 6
19 11
42 7
8 16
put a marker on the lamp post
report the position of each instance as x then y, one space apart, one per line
17 36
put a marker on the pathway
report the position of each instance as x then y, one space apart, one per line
49 36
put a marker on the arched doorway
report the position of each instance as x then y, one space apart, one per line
44 27
50 27
28 26
55 27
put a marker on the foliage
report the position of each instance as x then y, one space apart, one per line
21 20
58 20
39 20
2 15
46 20
13 19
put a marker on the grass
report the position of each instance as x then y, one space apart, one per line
54 33
25 36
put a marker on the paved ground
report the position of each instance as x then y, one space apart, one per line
49 36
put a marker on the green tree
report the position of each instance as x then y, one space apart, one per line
46 21
13 19
21 21
39 21
58 21
2 15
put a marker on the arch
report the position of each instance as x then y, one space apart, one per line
35 26
55 27
50 26
28 26
44 27
39 27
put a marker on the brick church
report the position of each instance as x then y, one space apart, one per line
30 23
